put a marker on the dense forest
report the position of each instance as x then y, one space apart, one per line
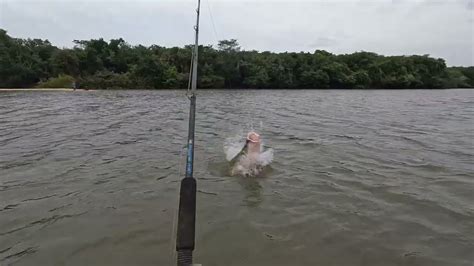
98 64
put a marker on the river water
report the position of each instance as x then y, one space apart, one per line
358 177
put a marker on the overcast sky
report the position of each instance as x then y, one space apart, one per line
441 28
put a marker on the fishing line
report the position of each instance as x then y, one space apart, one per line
212 21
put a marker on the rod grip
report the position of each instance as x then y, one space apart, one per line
186 215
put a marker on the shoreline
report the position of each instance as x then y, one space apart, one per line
203 89
42 89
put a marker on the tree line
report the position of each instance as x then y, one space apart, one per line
98 64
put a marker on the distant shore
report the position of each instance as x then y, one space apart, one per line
41 89
115 64
201 89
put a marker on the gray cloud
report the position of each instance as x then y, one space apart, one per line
323 42
391 27
470 5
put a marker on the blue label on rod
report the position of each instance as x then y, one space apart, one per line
189 164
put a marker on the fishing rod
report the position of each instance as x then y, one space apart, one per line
187 194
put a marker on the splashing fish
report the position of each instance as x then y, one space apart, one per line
250 160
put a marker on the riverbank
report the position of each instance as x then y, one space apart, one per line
205 89
42 89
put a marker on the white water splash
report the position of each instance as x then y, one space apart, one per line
266 157
246 165
233 145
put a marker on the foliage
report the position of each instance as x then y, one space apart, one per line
62 81
105 80
460 77
98 64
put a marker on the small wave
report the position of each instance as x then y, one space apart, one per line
22 253
9 207
44 222
347 137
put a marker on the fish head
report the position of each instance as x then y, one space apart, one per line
253 142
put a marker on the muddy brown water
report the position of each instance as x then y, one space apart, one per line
359 178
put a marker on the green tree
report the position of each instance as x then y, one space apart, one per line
229 46
111 64
65 61
315 79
